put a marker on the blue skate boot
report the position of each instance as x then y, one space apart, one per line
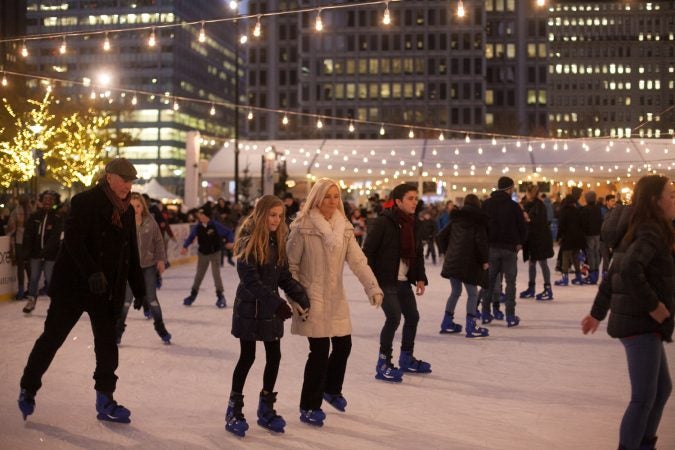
337 401
564 281
26 403
386 371
109 410
578 279
314 417
496 312
409 363
486 317
529 292
235 422
220 300
448 326
189 300
163 334
512 321
267 416
547 294
473 331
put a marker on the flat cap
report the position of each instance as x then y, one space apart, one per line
123 168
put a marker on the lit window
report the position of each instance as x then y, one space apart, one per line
531 97
489 96
510 51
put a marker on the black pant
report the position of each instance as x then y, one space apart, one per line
324 373
61 318
399 299
246 358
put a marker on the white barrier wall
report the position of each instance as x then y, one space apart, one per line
8 285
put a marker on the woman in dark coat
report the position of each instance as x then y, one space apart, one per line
539 245
572 240
466 262
640 292
259 311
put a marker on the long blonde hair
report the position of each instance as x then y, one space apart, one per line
317 194
254 234
141 199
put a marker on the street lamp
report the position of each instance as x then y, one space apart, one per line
37 155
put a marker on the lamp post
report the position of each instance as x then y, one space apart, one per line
234 6
36 129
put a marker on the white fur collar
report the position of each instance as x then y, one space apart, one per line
333 230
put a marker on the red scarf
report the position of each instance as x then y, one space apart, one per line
407 243
119 205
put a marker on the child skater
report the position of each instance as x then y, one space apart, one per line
259 311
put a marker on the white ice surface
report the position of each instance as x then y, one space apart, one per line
542 385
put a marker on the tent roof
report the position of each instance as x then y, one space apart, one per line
155 190
478 162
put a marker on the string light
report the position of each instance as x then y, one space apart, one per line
243 39
318 25
411 134
175 105
106 43
151 40
441 137
202 34
24 50
351 126
213 110
134 100
63 48
249 116
319 123
233 5
257 28
541 3
467 139
284 121
4 81
460 9
386 19
382 130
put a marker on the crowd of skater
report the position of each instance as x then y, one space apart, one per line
109 252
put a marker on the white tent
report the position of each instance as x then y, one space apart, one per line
155 190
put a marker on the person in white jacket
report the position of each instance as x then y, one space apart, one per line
320 241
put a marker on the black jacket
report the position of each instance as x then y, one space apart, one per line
257 299
506 227
42 236
591 219
382 248
93 244
465 243
539 244
641 275
615 225
570 226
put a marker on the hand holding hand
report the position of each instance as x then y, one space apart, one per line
284 311
98 285
661 313
589 324
376 300
299 311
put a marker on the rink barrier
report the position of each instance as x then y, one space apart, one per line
8 281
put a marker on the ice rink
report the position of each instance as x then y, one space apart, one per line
542 385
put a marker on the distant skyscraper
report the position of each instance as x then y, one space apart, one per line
612 68
12 24
178 65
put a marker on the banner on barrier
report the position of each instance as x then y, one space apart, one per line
8 284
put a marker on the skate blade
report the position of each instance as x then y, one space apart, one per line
317 424
449 332
389 380
269 428
109 418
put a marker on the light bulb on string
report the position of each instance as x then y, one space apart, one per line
243 39
284 120
494 141
4 81
441 137
319 124
175 105
460 9
234 5
202 34
382 130
24 50
134 100
467 139
541 3
106 43
63 47
318 25
257 29
249 116
411 134
386 19
152 41
351 126
92 96
212 111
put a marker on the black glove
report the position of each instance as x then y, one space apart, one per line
138 302
98 285
284 311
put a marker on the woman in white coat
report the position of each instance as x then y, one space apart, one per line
320 241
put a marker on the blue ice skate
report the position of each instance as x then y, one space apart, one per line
448 326
314 417
109 410
337 401
26 403
386 371
409 363
235 422
267 416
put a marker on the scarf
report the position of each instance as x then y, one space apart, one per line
333 230
119 205
407 236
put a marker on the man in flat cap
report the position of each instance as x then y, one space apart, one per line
507 232
98 257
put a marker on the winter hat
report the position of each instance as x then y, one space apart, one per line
590 197
576 192
504 183
123 168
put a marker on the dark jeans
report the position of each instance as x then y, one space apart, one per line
22 266
471 301
61 318
37 266
150 279
431 249
399 299
650 388
324 373
545 271
246 359
505 262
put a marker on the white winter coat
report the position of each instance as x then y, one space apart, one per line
317 250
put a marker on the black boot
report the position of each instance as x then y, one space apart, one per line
161 331
648 444
190 298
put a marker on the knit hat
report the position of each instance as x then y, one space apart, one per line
504 183
590 197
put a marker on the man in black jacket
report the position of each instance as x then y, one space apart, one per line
395 253
99 255
41 243
507 232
